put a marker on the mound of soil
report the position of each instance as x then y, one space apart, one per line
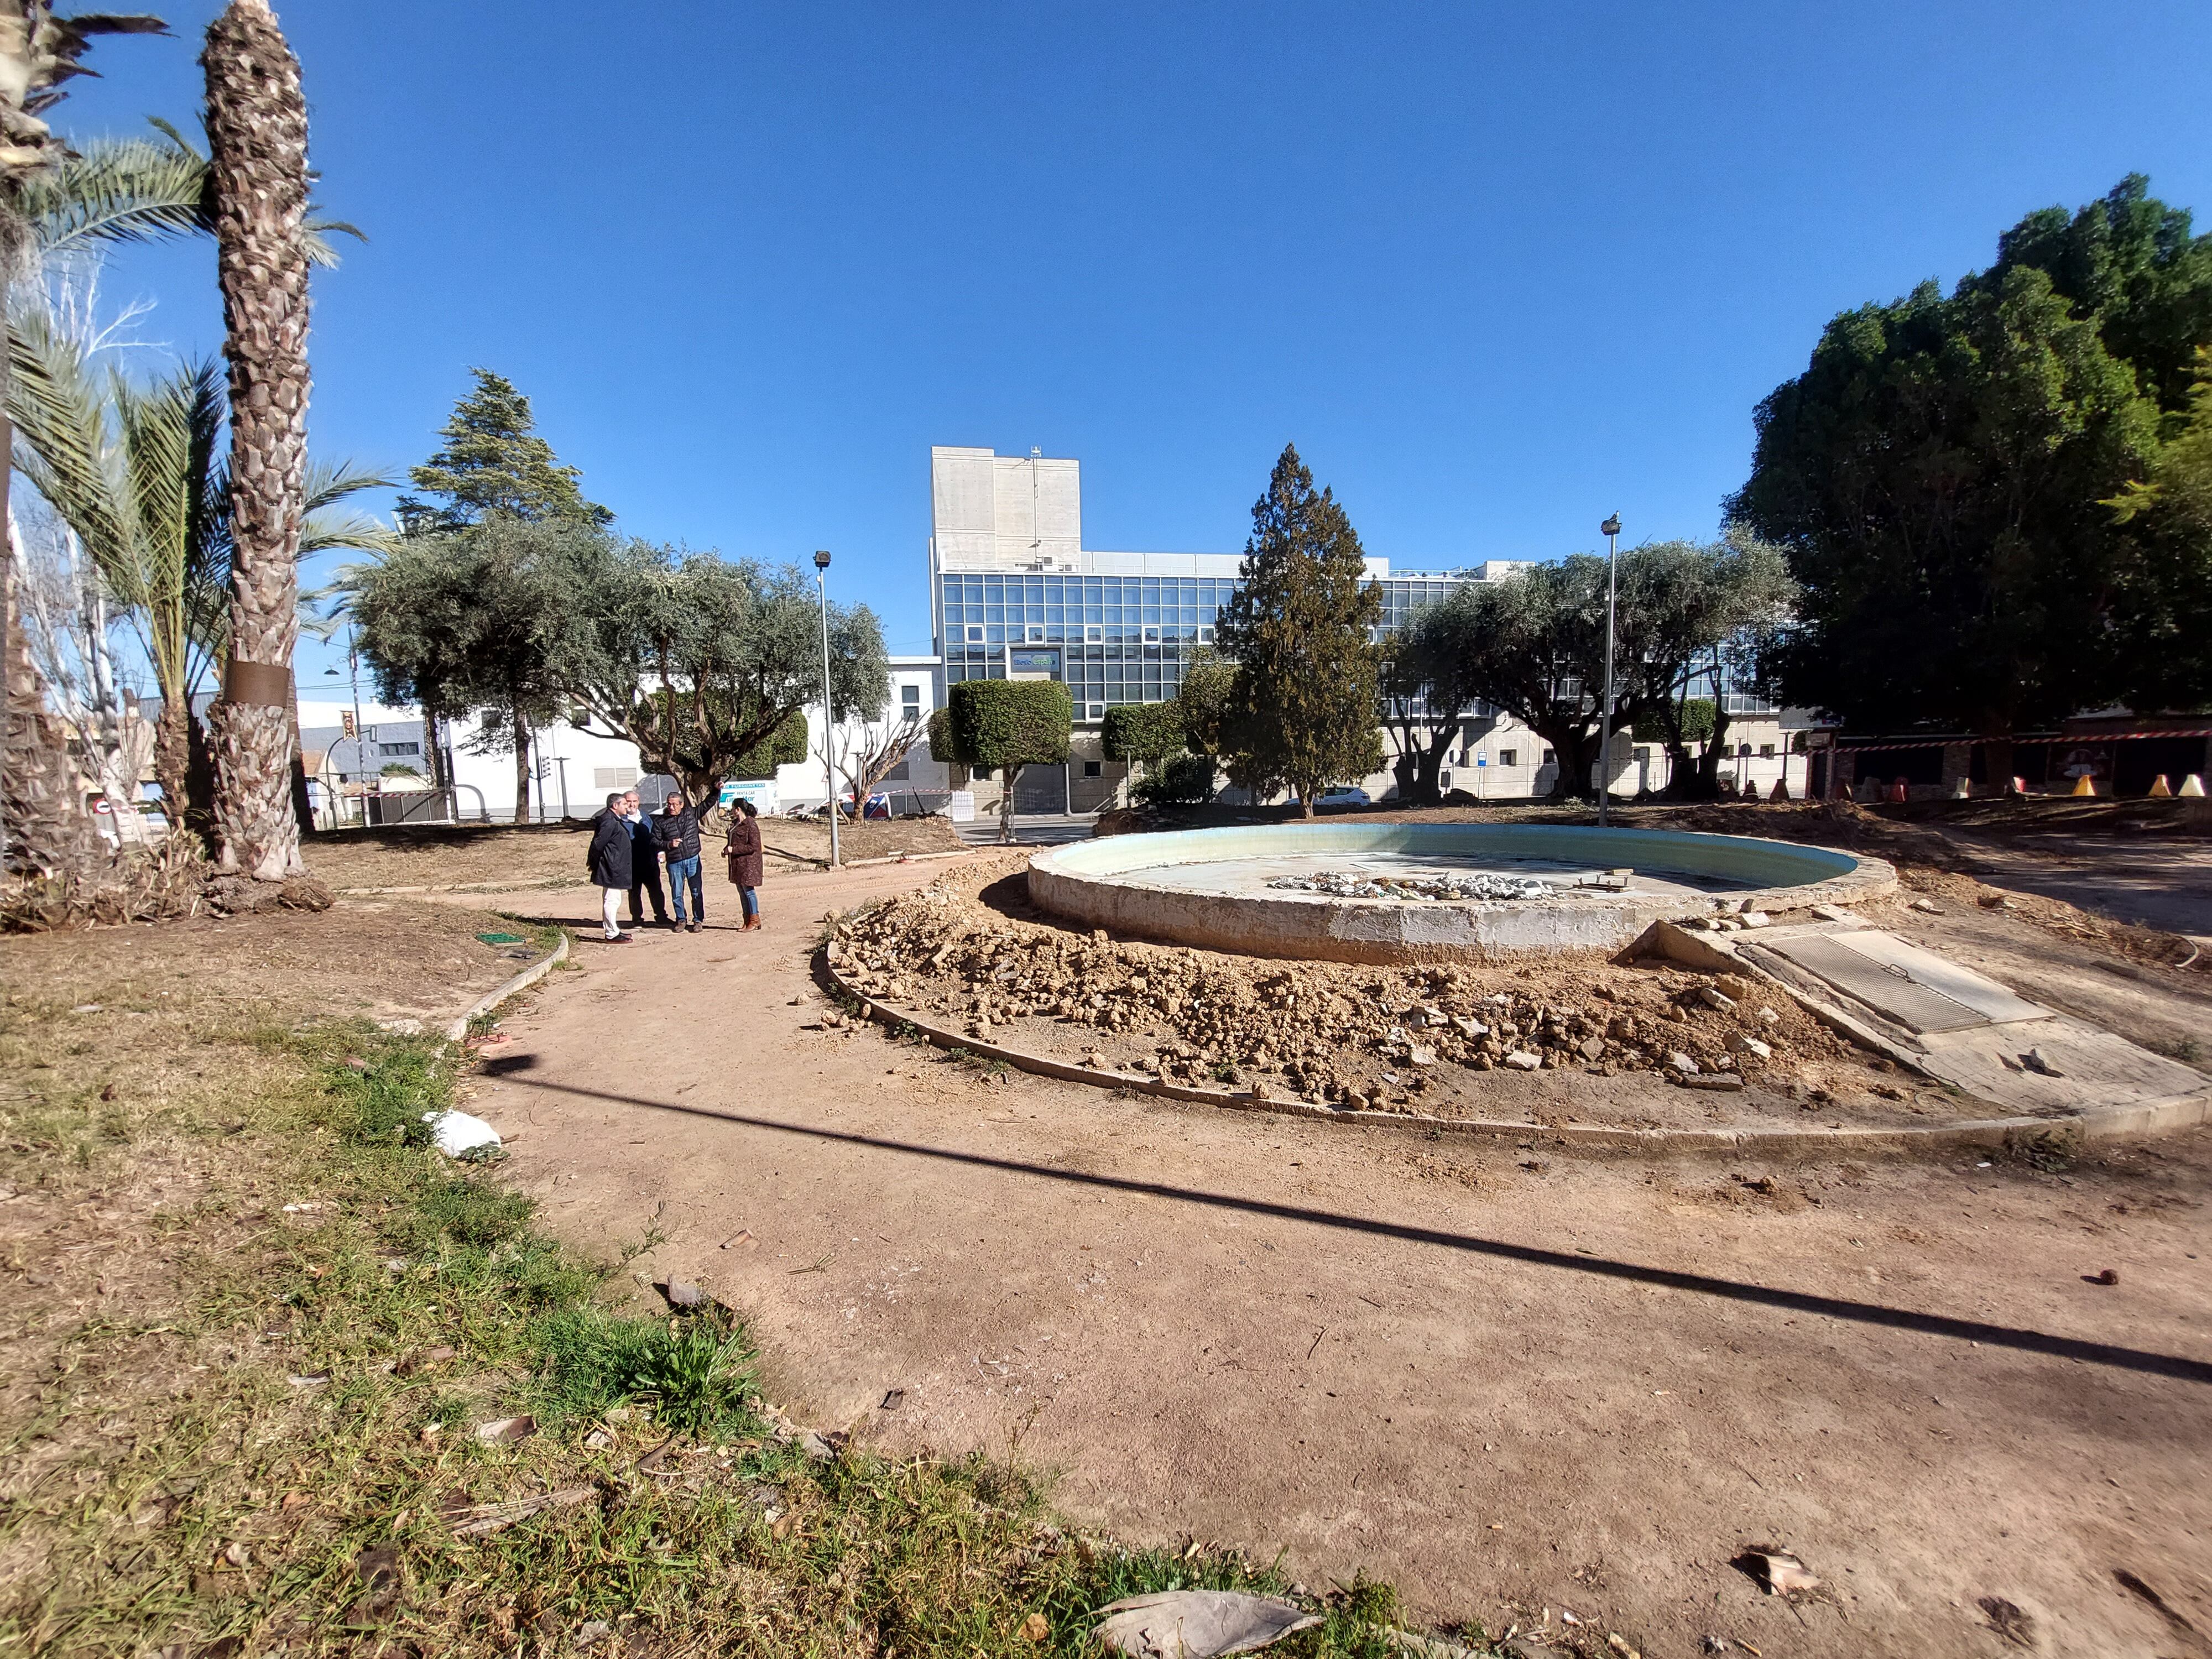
1571 1037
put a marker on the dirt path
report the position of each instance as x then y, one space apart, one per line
2162 881
1509 1379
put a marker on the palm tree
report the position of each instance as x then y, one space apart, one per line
42 829
135 470
257 126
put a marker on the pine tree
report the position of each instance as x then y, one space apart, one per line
494 461
1301 630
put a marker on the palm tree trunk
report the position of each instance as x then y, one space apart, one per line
173 763
44 831
257 124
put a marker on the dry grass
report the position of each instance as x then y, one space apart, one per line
252 1326
432 857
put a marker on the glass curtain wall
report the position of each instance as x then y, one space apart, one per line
1121 638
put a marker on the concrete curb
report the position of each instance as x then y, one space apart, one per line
552 885
889 858
459 1030
1982 1134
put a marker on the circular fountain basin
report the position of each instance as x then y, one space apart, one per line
1212 887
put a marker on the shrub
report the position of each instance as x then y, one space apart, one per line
1181 780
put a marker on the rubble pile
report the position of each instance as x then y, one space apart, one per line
1345 883
1332 1033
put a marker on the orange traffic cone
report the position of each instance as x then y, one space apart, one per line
2085 784
1900 790
2158 789
2020 785
1780 792
2192 786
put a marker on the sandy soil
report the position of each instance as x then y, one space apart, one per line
1508 1379
442 858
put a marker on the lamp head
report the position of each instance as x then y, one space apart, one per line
822 559
1611 527
330 671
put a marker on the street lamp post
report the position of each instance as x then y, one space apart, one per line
828 763
1611 531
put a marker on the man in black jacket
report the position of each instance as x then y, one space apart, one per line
644 865
609 864
677 830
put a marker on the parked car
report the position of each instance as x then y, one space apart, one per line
1350 794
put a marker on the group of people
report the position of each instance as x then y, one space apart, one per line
629 846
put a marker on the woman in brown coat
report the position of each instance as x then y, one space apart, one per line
743 850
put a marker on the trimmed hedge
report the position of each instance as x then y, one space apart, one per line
1144 731
1011 722
1696 723
943 741
785 746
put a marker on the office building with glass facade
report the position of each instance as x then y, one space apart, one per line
1015 594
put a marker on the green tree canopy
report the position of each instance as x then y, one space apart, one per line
1008 725
1300 628
2167 520
701 660
478 620
493 462
1937 476
1425 694
1533 644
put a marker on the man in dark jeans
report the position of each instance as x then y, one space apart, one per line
644 865
677 830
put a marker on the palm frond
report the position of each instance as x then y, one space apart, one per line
328 482
64 445
132 189
116 190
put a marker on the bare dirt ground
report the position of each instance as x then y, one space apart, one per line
1516 1382
435 857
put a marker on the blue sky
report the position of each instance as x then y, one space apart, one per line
1496 270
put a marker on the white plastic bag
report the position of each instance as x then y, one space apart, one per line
457 1135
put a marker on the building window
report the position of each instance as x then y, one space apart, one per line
613 777
1033 633
1205 633
1152 632
910 699
1094 634
1767 751
1509 757
1551 757
400 748
1094 711
1091 769
974 633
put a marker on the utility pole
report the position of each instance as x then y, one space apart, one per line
829 743
1611 531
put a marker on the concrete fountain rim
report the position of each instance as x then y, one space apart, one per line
1097 882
